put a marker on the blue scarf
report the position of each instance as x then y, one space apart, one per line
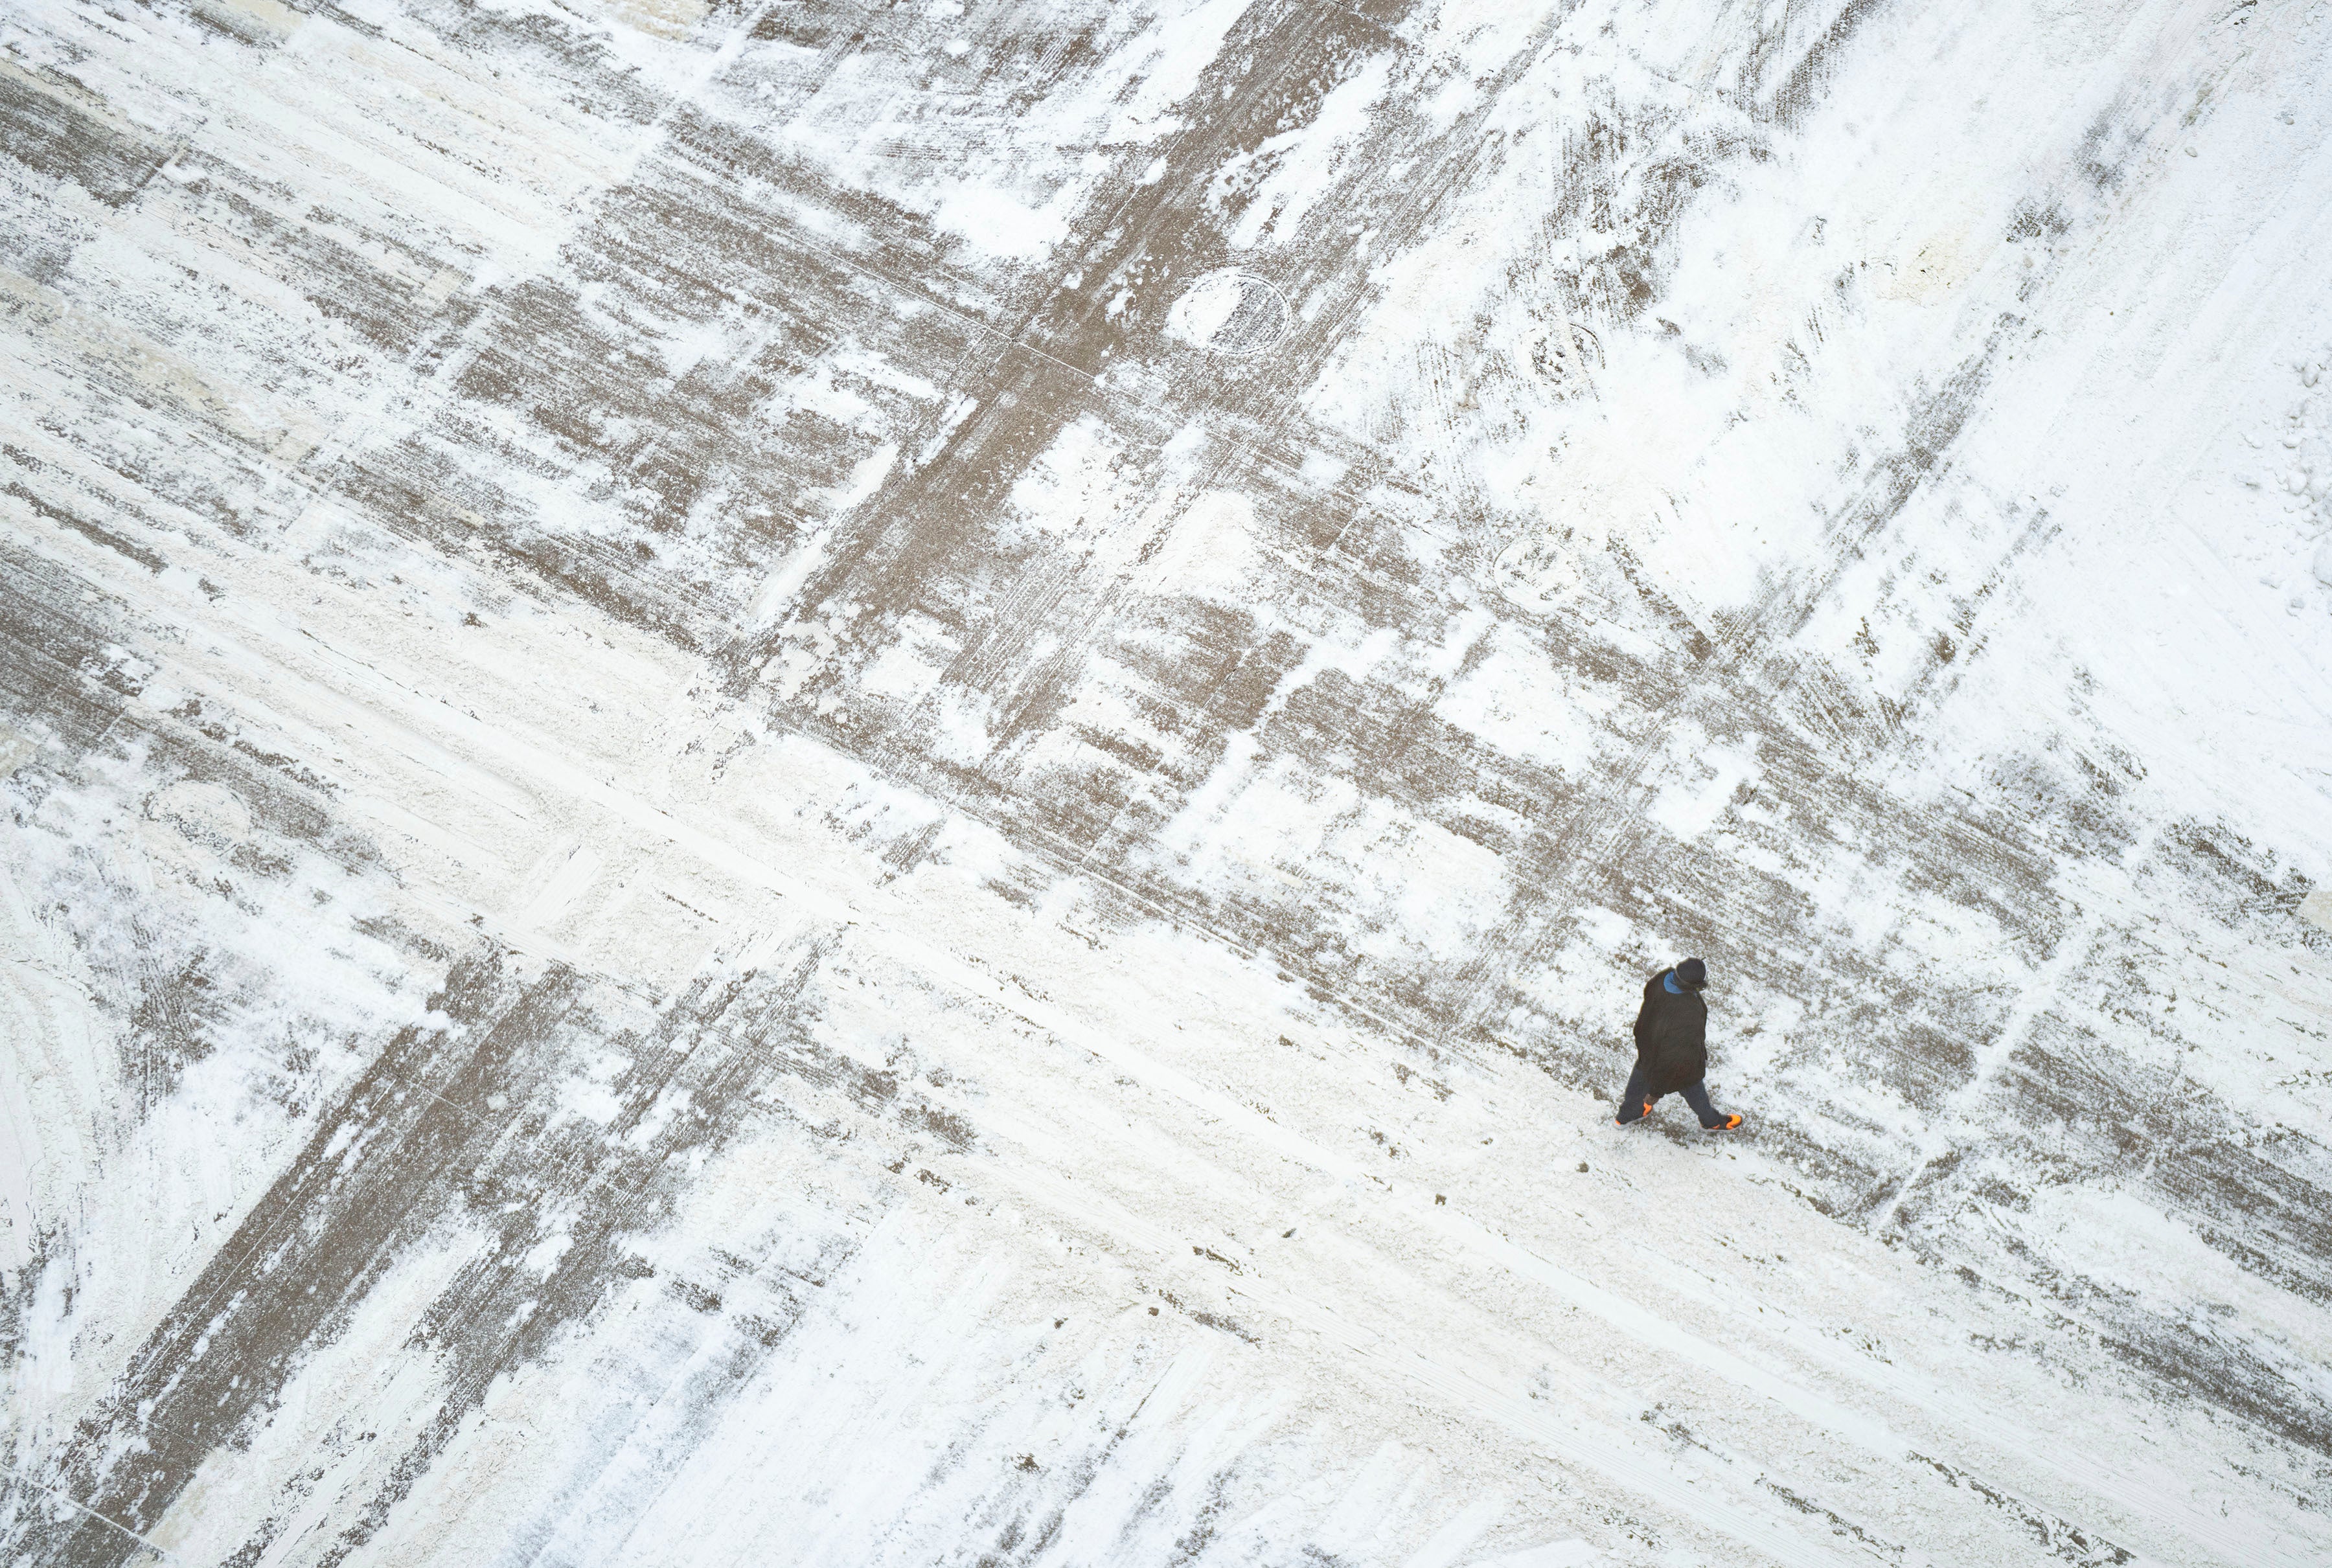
1669 980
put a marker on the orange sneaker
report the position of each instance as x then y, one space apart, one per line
1727 1125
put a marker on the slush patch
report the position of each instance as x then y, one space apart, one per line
2317 908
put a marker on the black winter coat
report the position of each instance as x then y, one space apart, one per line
1671 1037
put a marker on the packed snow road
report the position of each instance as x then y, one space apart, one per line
802 783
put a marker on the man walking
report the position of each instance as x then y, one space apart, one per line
1672 1048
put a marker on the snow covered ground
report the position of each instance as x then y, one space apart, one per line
806 782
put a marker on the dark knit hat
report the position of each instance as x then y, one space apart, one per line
1692 974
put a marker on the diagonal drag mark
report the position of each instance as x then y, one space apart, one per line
2040 993
86 1511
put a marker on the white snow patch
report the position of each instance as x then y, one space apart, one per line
1211 550
1703 777
1000 225
1517 701
1080 483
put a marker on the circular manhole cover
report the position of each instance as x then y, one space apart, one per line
1537 572
1230 313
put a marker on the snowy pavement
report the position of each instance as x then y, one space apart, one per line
808 783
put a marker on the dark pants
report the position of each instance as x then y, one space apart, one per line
1696 1095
